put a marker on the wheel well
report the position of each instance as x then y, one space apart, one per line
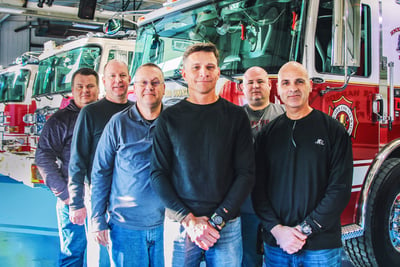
380 243
395 153
390 150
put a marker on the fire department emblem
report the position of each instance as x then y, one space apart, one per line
343 111
392 33
398 44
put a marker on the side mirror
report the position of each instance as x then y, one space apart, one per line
112 26
346 33
155 48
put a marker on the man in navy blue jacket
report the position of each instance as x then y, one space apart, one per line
52 159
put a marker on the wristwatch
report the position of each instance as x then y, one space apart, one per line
305 228
217 221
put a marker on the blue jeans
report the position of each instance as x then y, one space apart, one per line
96 255
72 238
275 256
227 251
250 224
137 247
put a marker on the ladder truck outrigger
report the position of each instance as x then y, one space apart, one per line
52 90
351 49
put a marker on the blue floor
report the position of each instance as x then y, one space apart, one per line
20 250
28 225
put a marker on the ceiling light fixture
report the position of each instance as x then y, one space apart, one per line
86 26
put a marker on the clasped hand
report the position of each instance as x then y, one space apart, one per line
289 239
200 231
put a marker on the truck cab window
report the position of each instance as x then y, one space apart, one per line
323 42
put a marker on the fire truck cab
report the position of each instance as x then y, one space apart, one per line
52 91
16 83
351 49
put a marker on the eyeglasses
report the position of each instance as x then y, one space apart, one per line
145 83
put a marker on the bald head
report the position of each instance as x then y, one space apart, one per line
116 62
116 80
294 87
290 66
256 87
253 71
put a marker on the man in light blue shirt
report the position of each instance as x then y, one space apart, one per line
126 213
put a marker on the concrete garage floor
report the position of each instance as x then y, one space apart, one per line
20 250
28 226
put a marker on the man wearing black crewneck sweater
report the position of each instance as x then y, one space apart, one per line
203 167
304 169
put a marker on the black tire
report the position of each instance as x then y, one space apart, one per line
375 248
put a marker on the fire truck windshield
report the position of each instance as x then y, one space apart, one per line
55 72
247 33
13 85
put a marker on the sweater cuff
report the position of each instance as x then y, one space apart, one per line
315 225
76 205
225 214
63 195
177 215
99 224
269 225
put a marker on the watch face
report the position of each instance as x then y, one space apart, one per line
217 219
306 229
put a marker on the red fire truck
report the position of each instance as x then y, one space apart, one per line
52 91
351 49
16 83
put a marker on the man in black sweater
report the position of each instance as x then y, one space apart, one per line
304 168
88 129
203 167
